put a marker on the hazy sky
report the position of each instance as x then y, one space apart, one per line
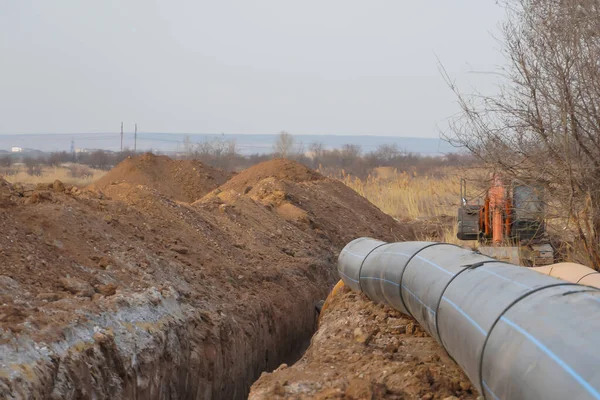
240 66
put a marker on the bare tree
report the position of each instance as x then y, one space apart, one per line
284 144
99 159
6 161
544 126
34 166
57 158
387 153
350 154
218 152
316 149
188 146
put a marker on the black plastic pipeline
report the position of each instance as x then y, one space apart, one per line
516 333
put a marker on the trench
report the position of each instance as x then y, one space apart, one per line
158 346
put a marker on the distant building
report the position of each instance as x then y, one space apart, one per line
17 149
80 150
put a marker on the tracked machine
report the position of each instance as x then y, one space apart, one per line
508 220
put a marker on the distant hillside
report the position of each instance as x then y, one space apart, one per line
246 143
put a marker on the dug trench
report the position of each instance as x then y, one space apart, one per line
129 289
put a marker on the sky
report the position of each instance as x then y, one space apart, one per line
351 67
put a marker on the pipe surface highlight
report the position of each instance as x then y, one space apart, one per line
516 333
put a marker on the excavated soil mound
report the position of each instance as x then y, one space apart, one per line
141 296
182 180
324 207
367 351
277 169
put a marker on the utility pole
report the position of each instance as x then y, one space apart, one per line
121 137
135 140
73 149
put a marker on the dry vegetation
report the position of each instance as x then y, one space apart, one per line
430 200
78 175
409 196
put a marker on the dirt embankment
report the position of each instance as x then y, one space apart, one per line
125 293
367 351
182 180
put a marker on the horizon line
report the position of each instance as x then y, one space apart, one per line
216 134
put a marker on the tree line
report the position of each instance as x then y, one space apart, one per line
350 158
224 154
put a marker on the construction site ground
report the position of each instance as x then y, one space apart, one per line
173 280
364 350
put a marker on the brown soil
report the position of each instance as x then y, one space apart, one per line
326 207
126 293
367 351
277 169
183 180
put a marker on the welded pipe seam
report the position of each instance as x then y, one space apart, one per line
353 261
466 268
487 335
405 291
401 286
353 264
502 318
561 363
589 388
363 263
460 310
434 291
437 308
441 298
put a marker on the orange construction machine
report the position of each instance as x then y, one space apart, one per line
509 222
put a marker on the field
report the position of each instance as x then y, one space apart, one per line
410 196
74 174
428 201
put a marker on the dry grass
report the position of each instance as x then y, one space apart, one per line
412 197
407 196
74 175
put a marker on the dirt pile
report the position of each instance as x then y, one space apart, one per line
313 203
277 169
367 351
182 180
126 293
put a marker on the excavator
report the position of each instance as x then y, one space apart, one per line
508 221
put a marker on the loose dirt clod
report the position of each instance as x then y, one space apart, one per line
107 290
58 186
77 287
